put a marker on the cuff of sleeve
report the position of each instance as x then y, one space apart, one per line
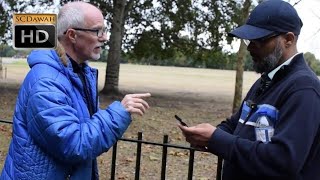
120 109
125 117
221 143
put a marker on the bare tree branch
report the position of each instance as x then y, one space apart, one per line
314 34
297 2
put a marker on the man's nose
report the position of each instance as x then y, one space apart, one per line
251 46
103 38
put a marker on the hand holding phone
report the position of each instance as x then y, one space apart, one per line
180 121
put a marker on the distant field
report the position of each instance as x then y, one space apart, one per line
176 81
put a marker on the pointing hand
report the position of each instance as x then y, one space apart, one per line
135 104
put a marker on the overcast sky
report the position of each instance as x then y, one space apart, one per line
309 40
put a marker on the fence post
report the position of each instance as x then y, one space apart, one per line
164 157
114 158
138 159
219 169
191 161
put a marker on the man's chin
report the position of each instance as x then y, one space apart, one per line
95 57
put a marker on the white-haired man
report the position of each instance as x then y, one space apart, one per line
58 127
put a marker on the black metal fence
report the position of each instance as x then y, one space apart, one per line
165 145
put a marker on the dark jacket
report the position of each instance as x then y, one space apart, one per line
294 150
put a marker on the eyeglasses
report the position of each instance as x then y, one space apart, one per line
262 40
99 32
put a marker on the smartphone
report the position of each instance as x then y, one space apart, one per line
180 120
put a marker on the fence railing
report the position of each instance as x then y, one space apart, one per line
165 145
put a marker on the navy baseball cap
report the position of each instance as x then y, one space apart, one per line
271 16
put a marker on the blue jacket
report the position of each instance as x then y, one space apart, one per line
54 135
292 103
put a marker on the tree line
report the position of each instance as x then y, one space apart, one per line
222 61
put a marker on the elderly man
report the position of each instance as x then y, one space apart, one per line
58 127
275 134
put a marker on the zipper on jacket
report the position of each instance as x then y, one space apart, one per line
97 96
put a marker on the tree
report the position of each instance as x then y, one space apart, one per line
117 13
3 20
240 62
4 23
120 11
7 8
313 63
132 22
204 22
163 21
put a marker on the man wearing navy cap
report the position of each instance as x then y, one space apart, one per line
275 134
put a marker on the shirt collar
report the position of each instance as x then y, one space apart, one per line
287 62
76 67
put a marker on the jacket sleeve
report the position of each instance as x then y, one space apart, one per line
54 125
289 147
230 124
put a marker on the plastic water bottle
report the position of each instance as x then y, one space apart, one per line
264 128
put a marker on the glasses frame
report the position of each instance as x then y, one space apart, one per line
97 31
262 40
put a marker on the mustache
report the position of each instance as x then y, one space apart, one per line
104 45
269 62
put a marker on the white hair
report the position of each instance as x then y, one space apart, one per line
70 15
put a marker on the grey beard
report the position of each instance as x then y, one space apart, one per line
270 62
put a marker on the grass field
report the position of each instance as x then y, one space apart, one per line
197 95
160 79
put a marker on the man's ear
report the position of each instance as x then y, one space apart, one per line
290 39
71 34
